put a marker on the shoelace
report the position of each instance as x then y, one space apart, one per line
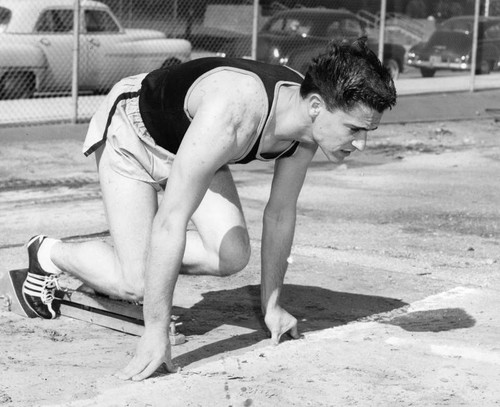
42 286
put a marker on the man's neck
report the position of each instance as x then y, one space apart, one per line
292 121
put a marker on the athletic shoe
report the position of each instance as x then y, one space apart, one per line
40 286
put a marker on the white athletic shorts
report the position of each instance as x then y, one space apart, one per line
117 126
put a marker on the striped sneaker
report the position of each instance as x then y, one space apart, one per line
40 286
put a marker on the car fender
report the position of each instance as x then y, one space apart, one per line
149 40
136 56
169 47
417 47
139 34
23 57
488 52
156 48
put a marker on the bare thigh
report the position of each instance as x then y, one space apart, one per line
221 225
130 209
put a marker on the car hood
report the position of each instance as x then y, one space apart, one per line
285 44
448 40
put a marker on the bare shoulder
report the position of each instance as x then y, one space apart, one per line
242 95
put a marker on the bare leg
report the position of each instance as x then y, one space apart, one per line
220 246
130 208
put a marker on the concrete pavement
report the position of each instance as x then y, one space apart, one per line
450 342
61 109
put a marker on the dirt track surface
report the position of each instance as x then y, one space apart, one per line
395 282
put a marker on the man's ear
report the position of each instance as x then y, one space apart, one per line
316 103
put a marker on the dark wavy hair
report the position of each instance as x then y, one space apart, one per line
348 74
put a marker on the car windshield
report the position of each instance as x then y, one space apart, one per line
333 27
5 15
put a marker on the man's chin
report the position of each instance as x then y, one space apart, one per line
339 156
335 156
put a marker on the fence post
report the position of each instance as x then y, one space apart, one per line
474 46
255 28
175 10
76 57
381 36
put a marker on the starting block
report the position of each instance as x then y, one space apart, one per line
119 315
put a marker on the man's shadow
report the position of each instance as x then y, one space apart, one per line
315 308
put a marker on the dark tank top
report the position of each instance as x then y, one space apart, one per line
163 96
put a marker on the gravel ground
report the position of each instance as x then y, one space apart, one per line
395 282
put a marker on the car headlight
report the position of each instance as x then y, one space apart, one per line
411 54
277 57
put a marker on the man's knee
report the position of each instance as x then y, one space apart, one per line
234 253
132 287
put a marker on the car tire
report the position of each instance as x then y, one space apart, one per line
393 67
18 85
484 68
427 72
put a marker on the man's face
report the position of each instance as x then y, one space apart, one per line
340 133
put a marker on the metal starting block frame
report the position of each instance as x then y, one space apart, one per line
100 310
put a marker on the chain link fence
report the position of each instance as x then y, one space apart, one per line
50 74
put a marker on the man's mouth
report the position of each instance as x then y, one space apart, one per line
341 154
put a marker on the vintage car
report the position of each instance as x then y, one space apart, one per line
293 37
450 47
37 48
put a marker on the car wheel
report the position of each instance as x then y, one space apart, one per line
18 85
427 72
170 62
484 68
393 67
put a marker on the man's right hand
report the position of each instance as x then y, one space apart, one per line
279 322
153 350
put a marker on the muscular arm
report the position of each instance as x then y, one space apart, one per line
277 237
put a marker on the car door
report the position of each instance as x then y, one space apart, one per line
54 34
492 41
104 41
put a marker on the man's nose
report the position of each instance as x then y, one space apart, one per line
360 142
